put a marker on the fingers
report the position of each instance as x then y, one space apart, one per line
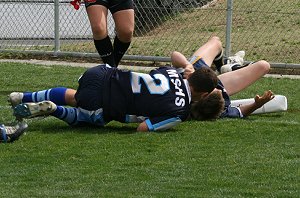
269 94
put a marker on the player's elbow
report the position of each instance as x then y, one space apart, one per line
142 127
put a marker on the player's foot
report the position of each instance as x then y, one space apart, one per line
12 133
233 67
236 58
15 98
34 109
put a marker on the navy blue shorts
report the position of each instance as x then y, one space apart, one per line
197 62
89 94
112 5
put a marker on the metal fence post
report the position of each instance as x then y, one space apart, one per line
228 27
56 28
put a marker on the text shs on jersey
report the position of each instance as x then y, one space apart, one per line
180 100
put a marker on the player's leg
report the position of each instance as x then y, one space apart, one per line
123 15
210 51
238 80
71 115
205 55
58 95
97 15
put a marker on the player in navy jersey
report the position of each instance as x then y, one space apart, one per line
217 103
158 100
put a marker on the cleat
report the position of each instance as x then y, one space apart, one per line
237 58
15 98
12 133
34 109
233 67
230 67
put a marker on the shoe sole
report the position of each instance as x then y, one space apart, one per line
22 127
30 110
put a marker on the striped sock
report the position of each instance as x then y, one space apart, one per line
56 95
66 114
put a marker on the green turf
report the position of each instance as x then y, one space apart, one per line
254 157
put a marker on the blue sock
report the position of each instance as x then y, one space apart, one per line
56 95
67 114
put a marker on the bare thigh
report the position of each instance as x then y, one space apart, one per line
98 19
238 80
209 50
124 21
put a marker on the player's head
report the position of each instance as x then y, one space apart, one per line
203 80
208 107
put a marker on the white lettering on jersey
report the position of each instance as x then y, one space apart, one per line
180 100
161 88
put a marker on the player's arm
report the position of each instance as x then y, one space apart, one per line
179 61
143 127
259 101
159 123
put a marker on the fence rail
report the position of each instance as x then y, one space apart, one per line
268 29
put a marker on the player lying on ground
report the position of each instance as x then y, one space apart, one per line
230 83
161 99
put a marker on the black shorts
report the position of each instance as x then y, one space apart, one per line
112 5
89 94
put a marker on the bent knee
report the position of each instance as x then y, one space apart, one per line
216 41
265 66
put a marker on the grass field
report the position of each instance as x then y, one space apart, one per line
253 157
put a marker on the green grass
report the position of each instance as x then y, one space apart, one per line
254 157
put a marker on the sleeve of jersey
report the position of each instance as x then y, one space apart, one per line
162 123
232 112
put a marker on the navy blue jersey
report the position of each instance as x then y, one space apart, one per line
229 111
162 96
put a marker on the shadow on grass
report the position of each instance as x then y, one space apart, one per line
55 127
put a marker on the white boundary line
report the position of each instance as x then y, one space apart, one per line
134 68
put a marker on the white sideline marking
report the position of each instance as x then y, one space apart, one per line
278 122
73 64
266 121
282 76
134 68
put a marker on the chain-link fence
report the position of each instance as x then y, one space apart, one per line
265 29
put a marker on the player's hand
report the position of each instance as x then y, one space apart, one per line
266 97
189 69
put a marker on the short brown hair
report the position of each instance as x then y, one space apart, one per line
209 107
203 79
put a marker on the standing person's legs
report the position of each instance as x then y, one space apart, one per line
98 19
124 21
238 80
